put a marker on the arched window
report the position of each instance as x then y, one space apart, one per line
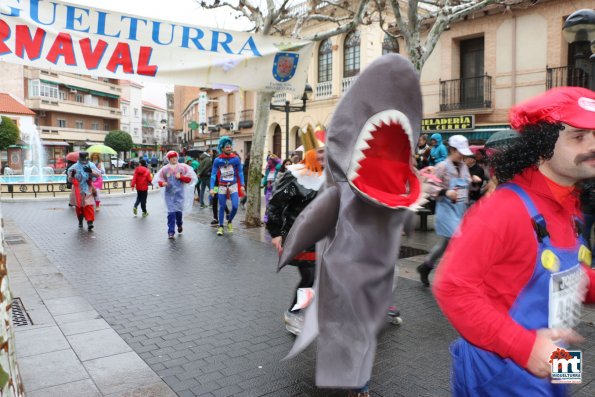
351 55
325 61
277 141
390 45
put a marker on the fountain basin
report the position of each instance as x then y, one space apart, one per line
55 185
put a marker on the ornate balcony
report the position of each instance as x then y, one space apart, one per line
324 89
467 93
566 76
246 118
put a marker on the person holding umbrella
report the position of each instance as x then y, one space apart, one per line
97 182
81 175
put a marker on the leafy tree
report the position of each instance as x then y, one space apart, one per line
9 133
120 141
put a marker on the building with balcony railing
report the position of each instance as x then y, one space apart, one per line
220 113
480 67
131 105
71 110
154 124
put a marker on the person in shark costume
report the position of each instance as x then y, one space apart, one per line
358 218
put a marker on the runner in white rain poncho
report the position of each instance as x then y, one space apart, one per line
177 182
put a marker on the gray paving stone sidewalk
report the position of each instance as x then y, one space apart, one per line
68 350
205 312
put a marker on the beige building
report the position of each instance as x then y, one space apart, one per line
479 68
220 113
70 108
79 110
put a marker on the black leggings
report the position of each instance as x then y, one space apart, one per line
141 198
307 271
215 205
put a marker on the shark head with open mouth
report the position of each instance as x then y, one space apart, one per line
377 124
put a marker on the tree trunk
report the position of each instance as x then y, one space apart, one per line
263 99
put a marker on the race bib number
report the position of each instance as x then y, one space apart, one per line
227 173
565 300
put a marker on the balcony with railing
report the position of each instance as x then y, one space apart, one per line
60 105
467 93
346 83
566 76
246 118
213 124
280 97
228 121
324 89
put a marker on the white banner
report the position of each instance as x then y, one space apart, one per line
79 39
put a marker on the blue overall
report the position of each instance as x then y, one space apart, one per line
549 300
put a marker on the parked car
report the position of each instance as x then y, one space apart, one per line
134 162
118 162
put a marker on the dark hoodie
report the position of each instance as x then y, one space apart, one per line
206 164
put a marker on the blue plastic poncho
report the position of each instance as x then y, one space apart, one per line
84 177
178 195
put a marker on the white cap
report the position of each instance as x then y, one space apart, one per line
460 143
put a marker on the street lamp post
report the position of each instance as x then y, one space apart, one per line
580 26
287 108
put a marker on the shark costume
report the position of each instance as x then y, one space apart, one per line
358 217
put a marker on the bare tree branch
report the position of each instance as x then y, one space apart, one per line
244 7
402 25
357 20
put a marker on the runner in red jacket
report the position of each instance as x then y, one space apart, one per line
514 276
141 180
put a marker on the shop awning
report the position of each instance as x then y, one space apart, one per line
480 133
54 143
48 82
74 87
104 94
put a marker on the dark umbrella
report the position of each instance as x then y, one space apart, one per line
501 138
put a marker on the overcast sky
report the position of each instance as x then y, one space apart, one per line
183 11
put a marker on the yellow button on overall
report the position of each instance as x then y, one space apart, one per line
550 261
584 256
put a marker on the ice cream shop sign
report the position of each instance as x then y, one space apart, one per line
458 123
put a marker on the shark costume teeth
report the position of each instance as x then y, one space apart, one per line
394 128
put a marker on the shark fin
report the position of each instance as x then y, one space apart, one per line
313 223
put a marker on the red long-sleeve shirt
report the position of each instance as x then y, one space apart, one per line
492 258
141 179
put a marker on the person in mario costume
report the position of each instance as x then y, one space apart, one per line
515 275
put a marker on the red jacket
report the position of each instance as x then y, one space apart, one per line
141 179
491 259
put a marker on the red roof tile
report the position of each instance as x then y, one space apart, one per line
151 105
9 105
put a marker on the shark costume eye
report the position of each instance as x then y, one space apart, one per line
381 167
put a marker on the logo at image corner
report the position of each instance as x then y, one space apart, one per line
285 65
566 366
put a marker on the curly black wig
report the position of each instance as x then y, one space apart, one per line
534 145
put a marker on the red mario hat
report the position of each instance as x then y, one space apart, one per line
574 106
171 154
